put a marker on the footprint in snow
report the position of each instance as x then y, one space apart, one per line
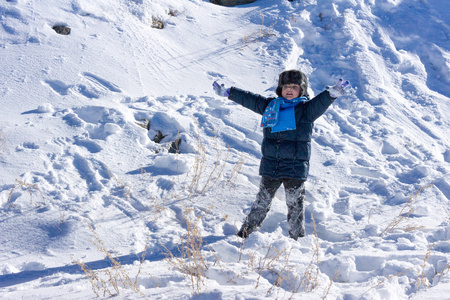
12 12
443 184
27 146
215 75
88 172
64 89
93 88
100 83
89 144
58 87
100 122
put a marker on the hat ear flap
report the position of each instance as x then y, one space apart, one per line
278 91
304 86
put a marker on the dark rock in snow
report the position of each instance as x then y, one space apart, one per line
231 2
61 29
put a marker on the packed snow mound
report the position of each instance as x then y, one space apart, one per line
119 161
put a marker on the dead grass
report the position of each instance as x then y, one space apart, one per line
201 177
282 274
198 169
260 34
111 280
190 257
405 212
191 260
31 188
124 186
330 284
235 172
422 280
173 12
310 278
386 279
157 23
266 263
445 271
277 262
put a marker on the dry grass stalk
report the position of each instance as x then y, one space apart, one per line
241 248
444 271
235 171
173 12
410 228
370 213
218 167
310 278
330 284
110 280
198 169
191 262
120 184
263 264
29 187
270 262
202 180
422 280
261 33
386 279
157 205
98 284
282 275
405 212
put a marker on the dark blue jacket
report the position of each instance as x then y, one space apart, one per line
285 154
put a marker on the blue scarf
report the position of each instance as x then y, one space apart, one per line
280 114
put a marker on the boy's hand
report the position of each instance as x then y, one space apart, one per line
220 89
341 88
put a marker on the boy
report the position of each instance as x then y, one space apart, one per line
286 146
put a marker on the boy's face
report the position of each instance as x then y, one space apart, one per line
290 91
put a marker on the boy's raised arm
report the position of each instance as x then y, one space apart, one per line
254 102
319 104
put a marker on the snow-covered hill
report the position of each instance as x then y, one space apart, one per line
84 185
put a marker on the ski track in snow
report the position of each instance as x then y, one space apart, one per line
379 156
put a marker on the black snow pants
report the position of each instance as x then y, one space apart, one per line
295 195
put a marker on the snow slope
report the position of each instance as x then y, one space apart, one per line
83 184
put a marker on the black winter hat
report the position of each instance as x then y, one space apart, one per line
293 77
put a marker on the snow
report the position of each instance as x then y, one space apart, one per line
84 185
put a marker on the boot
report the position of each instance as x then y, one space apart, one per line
245 232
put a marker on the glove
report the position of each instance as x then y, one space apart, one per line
220 89
341 88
